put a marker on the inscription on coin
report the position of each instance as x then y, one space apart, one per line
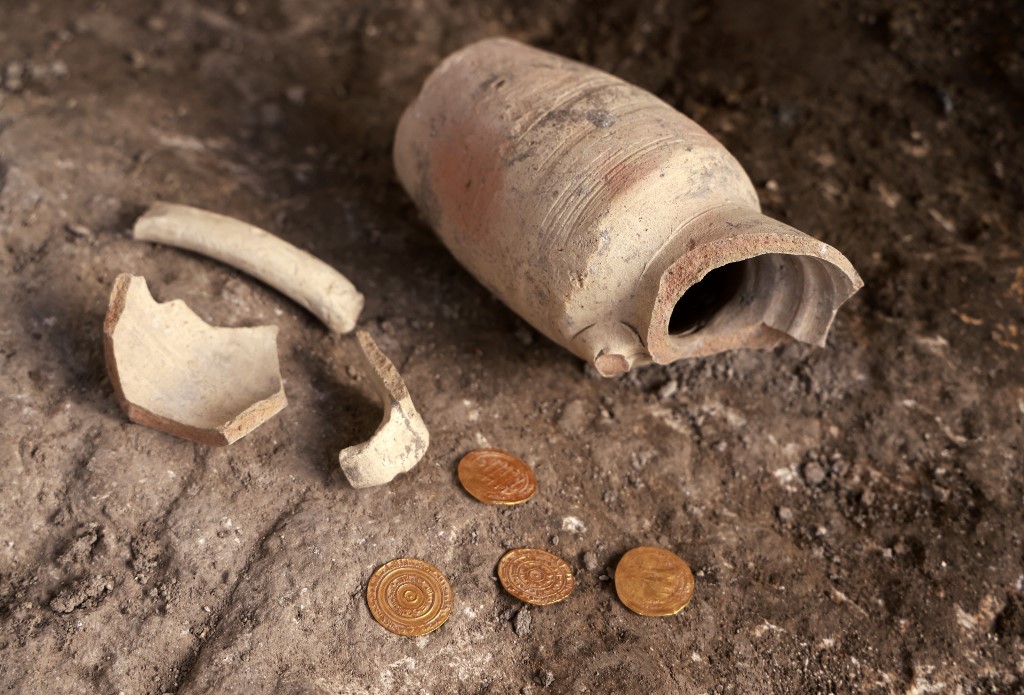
535 576
409 597
653 581
496 477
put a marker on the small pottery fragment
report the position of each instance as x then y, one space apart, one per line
400 441
295 273
175 373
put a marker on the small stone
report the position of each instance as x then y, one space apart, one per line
13 74
79 230
814 474
574 418
825 159
668 389
786 115
524 335
296 94
785 515
890 198
574 524
945 222
544 678
156 23
137 59
522 622
590 561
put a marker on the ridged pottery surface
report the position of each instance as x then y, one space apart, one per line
611 222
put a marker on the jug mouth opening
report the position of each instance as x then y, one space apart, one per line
733 305
701 302
726 296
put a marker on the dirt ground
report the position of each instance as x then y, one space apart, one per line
853 515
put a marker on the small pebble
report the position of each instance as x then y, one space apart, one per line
590 561
79 230
524 335
785 515
522 622
814 474
13 74
575 417
945 100
156 23
137 59
545 678
296 94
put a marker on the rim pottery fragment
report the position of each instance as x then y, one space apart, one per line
318 287
174 372
611 222
401 439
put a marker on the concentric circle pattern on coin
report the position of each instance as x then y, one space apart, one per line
535 576
409 597
496 477
653 581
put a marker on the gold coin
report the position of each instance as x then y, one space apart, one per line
653 581
496 477
535 576
409 597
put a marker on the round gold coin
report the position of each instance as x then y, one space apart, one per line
496 477
409 597
535 576
653 581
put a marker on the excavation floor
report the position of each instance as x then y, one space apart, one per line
853 515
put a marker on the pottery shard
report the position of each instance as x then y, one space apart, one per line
175 373
400 441
295 273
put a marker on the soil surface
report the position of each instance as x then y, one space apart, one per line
853 515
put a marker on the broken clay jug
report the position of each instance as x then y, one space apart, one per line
611 222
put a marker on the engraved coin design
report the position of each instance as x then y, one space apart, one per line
653 581
535 576
496 477
409 597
